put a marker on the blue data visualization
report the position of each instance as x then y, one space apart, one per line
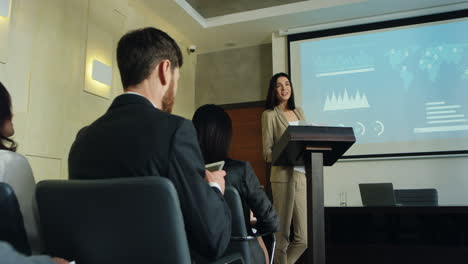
400 85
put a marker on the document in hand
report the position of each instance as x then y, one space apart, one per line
215 166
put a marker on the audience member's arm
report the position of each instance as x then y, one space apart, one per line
216 179
258 202
9 256
206 214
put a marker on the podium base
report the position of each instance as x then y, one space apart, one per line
315 213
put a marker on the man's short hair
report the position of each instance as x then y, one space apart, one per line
139 51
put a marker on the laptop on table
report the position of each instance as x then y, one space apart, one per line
377 194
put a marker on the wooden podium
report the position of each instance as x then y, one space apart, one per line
313 147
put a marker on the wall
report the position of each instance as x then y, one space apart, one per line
279 54
48 45
233 76
449 175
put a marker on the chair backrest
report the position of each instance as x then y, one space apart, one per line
377 194
417 197
239 236
130 220
11 220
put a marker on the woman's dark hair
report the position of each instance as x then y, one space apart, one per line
214 130
272 100
5 115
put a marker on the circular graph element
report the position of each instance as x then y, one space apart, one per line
360 129
378 127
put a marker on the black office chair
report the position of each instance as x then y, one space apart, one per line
118 221
240 239
417 197
11 221
412 228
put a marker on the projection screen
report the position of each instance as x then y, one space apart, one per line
402 84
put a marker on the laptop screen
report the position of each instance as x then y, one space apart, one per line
377 194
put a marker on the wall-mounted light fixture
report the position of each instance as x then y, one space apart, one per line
102 73
4 8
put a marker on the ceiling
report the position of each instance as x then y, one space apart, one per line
213 8
254 27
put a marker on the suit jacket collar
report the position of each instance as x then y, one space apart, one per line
299 114
282 117
128 99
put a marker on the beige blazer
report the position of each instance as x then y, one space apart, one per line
274 123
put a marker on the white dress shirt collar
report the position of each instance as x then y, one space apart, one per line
128 92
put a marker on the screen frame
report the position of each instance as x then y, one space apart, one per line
463 13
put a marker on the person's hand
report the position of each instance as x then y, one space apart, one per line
253 219
216 177
60 260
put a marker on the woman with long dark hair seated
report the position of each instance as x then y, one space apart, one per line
214 129
15 170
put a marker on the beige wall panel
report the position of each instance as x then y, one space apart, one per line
21 41
105 27
92 107
45 168
185 99
99 47
153 19
53 69
117 87
118 18
2 72
134 21
121 6
279 53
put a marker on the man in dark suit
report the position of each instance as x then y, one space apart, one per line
138 136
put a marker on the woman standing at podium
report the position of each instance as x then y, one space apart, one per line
288 184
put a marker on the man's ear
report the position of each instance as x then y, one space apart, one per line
164 71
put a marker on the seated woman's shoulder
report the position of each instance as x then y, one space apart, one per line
12 161
10 156
239 167
231 164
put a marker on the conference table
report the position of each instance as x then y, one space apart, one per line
429 234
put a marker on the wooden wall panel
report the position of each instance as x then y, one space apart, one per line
247 138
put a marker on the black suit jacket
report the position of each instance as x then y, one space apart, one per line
133 138
241 175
